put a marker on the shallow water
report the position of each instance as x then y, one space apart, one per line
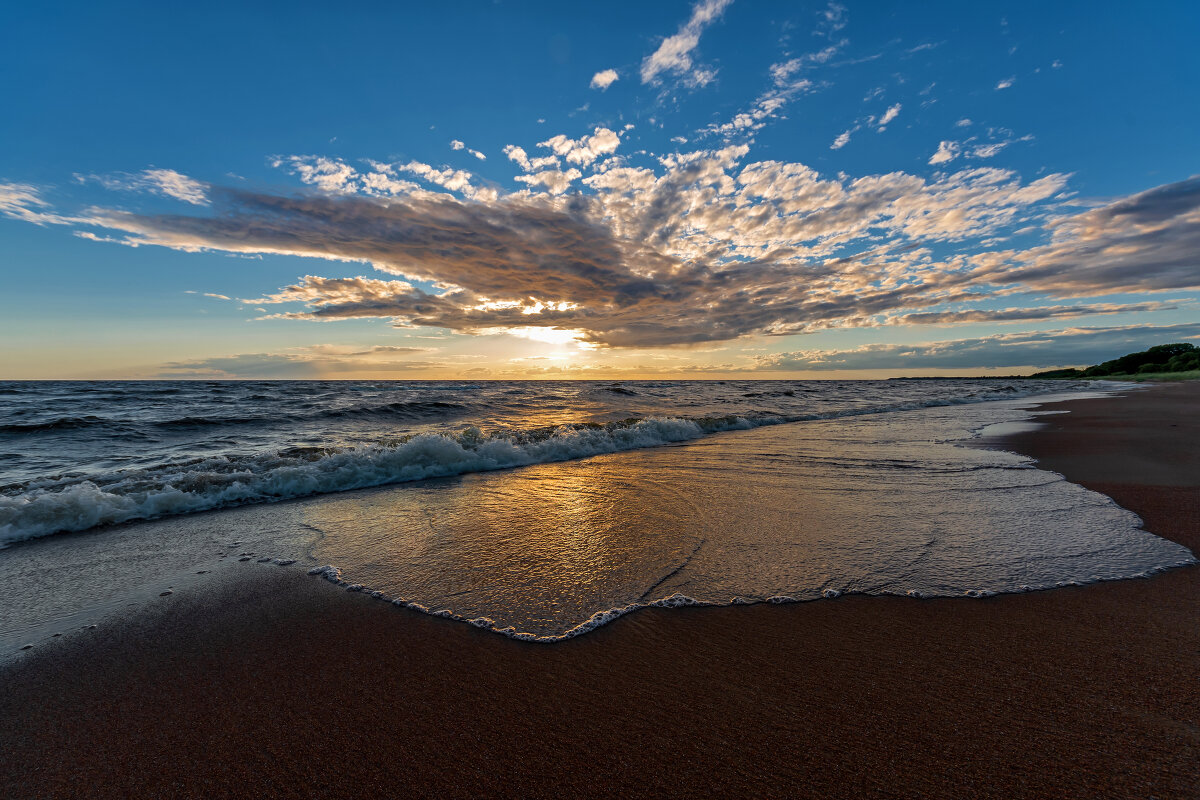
77 455
887 503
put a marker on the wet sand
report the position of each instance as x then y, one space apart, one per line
287 687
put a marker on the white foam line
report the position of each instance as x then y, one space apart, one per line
601 618
46 510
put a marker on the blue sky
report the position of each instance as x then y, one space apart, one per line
576 190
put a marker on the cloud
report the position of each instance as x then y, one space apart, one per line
334 176
165 182
604 79
1146 242
556 181
841 141
770 104
586 149
1033 314
174 184
522 159
976 147
674 54
947 151
457 144
456 180
787 84
988 150
1006 83
25 202
327 174
707 250
832 20
301 363
1074 346
518 154
692 246
889 115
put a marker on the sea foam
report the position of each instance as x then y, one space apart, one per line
41 511
82 456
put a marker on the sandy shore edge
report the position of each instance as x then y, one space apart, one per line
283 687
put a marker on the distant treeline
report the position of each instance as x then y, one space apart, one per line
1181 357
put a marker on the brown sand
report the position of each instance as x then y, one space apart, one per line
291 688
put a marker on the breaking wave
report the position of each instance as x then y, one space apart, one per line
76 500
62 505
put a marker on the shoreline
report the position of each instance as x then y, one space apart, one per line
279 687
55 514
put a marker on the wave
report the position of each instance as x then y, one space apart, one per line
223 482
60 424
404 410
77 503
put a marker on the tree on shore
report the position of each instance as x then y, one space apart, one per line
1176 357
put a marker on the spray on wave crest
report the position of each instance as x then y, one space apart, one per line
63 505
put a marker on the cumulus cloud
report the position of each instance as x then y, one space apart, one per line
841 141
586 149
555 181
334 176
1006 83
674 55
521 158
604 79
1071 347
327 174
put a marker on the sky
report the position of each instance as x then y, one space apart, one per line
708 189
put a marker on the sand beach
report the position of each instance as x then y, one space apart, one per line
283 685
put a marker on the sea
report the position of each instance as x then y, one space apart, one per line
538 509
